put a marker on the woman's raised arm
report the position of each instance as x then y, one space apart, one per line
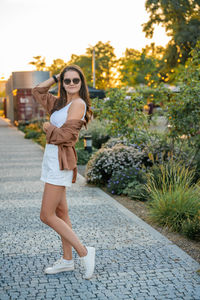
49 82
42 96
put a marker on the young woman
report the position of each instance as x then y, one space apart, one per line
68 113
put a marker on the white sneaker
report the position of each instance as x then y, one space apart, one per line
60 265
88 262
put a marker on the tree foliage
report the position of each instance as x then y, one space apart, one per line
104 60
123 114
138 67
181 20
85 63
56 67
184 108
39 63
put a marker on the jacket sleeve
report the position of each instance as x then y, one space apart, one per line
57 136
42 96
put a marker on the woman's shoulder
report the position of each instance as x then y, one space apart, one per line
77 109
79 100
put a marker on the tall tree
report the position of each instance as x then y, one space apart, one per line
138 67
181 20
105 60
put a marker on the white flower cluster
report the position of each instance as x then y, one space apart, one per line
107 161
115 141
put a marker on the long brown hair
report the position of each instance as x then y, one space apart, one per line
83 93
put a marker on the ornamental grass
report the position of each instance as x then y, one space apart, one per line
174 200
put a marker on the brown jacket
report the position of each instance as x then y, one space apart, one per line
64 137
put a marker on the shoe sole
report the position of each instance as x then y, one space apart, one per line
59 271
93 253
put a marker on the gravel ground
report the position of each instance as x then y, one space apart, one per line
133 261
140 209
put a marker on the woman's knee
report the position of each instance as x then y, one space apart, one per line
45 217
62 212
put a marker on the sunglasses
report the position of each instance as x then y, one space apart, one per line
74 80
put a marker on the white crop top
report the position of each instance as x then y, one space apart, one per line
58 117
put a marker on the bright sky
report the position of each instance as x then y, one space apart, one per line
60 28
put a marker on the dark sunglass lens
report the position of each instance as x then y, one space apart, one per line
67 81
76 80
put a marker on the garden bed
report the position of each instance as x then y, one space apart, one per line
140 209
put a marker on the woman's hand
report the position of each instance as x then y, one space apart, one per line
58 76
46 126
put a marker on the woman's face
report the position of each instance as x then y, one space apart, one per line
72 82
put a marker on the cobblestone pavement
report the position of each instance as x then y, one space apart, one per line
133 260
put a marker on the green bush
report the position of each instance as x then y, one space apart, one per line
119 180
83 156
192 159
196 163
32 135
129 182
173 197
191 228
158 147
98 131
183 107
21 127
107 161
173 207
33 127
136 191
79 144
41 140
123 113
33 130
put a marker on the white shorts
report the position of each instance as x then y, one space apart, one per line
51 172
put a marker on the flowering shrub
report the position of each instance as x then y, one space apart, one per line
108 161
128 182
117 141
119 180
156 147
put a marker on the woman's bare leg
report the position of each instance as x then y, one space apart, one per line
62 213
51 199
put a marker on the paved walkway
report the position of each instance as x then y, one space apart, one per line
133 260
